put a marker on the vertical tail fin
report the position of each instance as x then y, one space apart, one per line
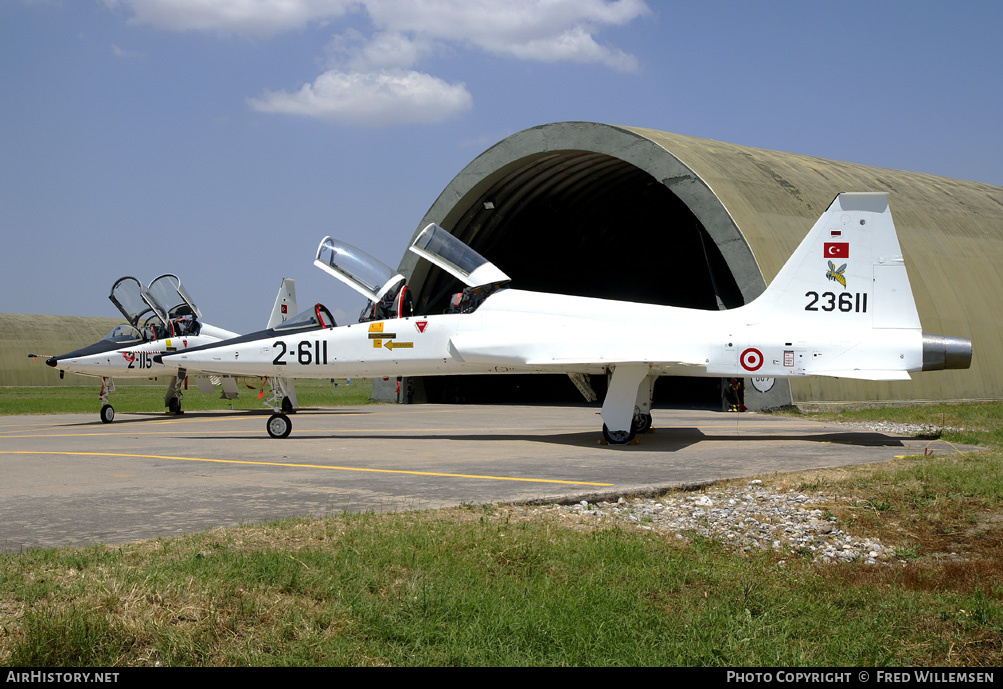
285 303
850 263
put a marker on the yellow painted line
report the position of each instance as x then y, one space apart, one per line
306 466
311 430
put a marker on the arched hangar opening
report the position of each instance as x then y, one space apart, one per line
628 224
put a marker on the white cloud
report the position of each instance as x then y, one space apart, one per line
548 30
374 78
379 98
124 54
353 51
258 18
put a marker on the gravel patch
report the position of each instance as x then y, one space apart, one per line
750 517
743 518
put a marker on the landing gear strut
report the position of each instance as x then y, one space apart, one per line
107 411
172 398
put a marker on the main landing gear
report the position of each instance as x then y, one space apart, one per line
627 407
172 397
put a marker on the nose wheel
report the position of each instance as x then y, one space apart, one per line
279 426
107 413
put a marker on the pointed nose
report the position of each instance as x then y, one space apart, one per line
52 361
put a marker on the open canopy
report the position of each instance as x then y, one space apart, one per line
167 290
135 301
456 258
367 275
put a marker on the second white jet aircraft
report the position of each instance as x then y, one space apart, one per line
162 318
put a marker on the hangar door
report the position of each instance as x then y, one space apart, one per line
588 224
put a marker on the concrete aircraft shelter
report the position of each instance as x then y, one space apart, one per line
649 216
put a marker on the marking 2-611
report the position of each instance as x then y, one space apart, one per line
829 301
305 352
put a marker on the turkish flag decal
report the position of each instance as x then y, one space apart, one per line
836 249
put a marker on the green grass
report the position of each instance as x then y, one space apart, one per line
483 585
982 422
473 588
150 398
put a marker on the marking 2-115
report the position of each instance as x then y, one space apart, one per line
846 302
305 352
139 360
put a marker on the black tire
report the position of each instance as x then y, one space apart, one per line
618 437
107 413
287 405
642 423
279 426
174 405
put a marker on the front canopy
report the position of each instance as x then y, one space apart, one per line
367 275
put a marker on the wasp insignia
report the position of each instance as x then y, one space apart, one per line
836 274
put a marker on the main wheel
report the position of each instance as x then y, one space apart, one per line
287 405
107 413
279 426
617 437
174 405
642 423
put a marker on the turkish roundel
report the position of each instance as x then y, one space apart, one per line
837 249
751 359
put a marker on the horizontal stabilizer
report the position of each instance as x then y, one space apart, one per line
865 375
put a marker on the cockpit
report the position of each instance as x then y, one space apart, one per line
164 307
385 289
481 276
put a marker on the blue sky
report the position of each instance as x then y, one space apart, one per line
221 140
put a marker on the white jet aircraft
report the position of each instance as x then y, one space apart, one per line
163 318
841 306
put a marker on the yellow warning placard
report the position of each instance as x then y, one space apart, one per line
377 339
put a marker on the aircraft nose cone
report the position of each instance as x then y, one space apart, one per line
52 361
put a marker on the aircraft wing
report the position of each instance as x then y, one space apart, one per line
565 350
865 374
